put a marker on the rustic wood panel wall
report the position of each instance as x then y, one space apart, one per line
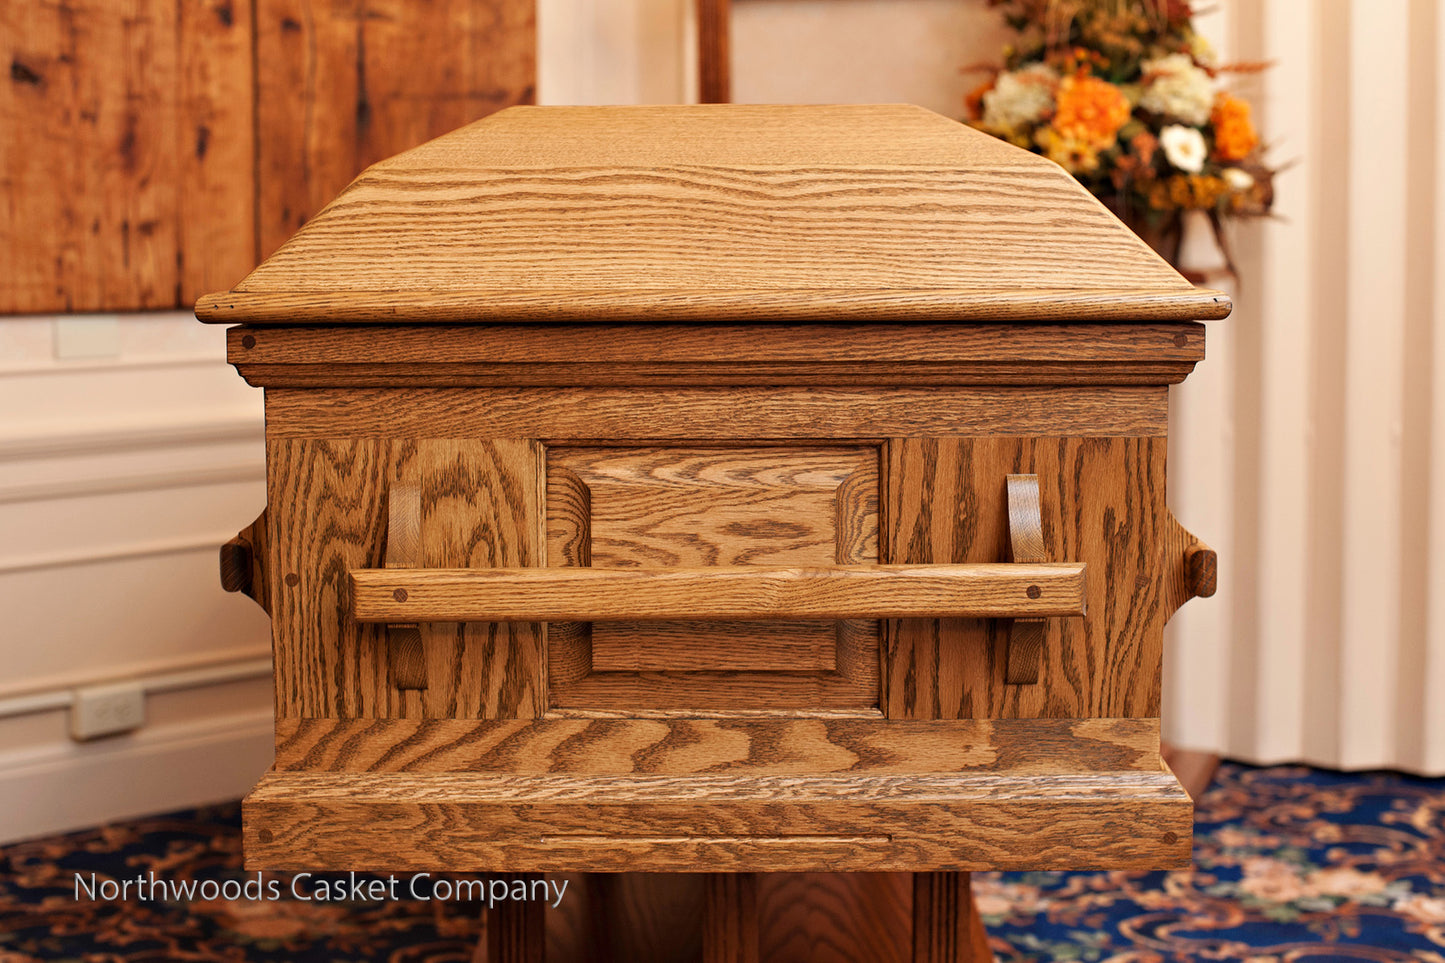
151 152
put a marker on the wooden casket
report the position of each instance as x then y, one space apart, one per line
716 488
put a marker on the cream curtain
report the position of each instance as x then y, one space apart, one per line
1312 441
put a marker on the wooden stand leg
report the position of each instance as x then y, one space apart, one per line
516 932
730 918
946 925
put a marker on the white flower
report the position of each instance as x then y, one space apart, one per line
1177 88
1020 98
1238 179
1184 146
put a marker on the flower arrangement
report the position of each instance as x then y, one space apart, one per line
1127 97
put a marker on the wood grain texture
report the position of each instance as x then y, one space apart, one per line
713 691
1202 567
1191 568
1102 504
245 560
406 653
729 823
714 51
946 923
326 505
727 213
657 917
622 417
622 917
481 505
735 592
215 141
1026 544
738 305
730 918
834 917
769 744
516 930
703 507
138 183
346 85
694 355
88 159
694 507
689 645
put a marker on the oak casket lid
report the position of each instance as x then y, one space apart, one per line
719 213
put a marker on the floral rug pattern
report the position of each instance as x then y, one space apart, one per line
1291 864
41 919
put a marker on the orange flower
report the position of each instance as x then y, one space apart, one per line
1234 134
973 102
1090 111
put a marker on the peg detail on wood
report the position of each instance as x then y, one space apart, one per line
243 563
1191 567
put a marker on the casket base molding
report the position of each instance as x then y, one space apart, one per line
734 822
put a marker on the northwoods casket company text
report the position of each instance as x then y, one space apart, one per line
311 887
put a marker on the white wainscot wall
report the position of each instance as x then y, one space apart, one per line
121 473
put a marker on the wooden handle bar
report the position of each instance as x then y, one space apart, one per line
983 590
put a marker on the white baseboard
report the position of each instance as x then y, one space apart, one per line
64 787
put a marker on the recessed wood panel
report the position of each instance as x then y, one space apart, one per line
703 507
685 646
686 507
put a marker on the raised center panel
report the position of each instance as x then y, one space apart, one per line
694 507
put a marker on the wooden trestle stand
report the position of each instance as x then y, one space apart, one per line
771 493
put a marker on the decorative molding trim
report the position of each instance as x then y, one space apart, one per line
148 481
173 546
198 678
161 675
90 440
122 363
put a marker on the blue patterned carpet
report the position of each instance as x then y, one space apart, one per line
1291 864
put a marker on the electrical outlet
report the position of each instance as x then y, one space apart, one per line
104 710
